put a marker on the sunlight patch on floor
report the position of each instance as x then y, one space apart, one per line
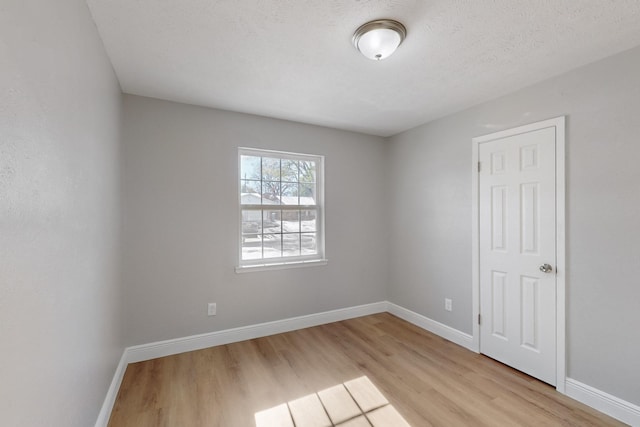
356 403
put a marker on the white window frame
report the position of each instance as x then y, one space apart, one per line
283 262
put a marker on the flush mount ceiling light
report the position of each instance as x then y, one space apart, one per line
378 39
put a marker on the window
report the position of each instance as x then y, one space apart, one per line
281 208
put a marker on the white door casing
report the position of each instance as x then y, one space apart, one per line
519 227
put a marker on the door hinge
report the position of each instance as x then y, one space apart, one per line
479 320
478 166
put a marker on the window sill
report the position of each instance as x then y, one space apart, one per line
281 265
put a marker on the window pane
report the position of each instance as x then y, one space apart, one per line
251 238
271 222
291 221
308 220
291 244
250 192
250 251
251 223
270 193
307 194
309 244
289 170
250 167
289 193
307 171
270 169
272 245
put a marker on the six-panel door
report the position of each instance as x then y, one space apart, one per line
517 237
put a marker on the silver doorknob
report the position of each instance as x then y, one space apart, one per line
546 268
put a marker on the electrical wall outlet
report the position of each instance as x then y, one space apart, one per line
211 309
448 304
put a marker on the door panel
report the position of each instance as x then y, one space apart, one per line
529 316
498 318
517 229
530 223
499 218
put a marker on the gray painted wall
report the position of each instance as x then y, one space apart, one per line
61 311
60 302
181 221
431 220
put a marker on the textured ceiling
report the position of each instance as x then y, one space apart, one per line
293 59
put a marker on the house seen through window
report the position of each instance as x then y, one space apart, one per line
281 207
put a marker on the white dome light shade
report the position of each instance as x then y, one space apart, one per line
378 44
378 39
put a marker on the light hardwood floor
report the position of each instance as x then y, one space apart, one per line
430 381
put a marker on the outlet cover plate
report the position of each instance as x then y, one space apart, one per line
211 309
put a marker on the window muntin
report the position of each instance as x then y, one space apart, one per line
281 207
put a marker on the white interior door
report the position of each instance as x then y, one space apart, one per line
517 251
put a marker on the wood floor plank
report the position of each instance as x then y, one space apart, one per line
386 416
361 421
277 416
428 380
338 403
308 411
366 395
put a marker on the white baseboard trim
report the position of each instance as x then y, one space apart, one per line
613 406
139 353
446 332
112 393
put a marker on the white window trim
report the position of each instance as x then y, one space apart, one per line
281 265
289 262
